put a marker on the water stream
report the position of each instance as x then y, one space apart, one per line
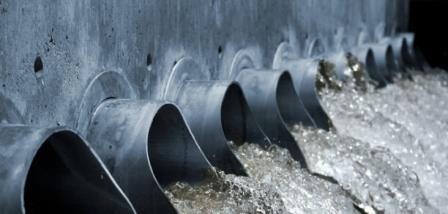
225 193
386 154
407 118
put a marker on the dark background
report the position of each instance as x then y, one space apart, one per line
429 21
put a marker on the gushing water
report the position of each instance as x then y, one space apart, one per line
373 176
276 184
300 191
407 118
224 193
386 154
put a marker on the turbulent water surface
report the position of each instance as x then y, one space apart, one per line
225 194
408 118
386 154
300 191
373 176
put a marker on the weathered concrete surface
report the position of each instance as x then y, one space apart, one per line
78 39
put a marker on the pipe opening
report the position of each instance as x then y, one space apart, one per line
173 152
390 60
406 54
291 108
66 177
370 61
233 114
372 69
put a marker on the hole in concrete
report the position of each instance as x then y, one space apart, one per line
149 62
220 51
66 177
233 115
38 64
173 153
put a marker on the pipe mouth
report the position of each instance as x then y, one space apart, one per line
66 177
290 107
172 150
406 53
284 93
204 115
390 60
237 121
372 69
370 61
233 114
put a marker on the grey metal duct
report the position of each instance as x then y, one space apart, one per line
268 94
304 74
410 52
216 112
271 96
366 55
384 60
146 145
54 171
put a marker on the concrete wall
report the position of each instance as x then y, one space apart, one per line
78 39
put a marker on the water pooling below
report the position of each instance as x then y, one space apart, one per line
387 154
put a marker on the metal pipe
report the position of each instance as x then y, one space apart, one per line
216 112
54 171
304 74
366 55
272 98
146 145
384 60
413 56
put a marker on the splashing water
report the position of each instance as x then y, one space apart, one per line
373 176
407 118
276 184
387 154
300 191
225 194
